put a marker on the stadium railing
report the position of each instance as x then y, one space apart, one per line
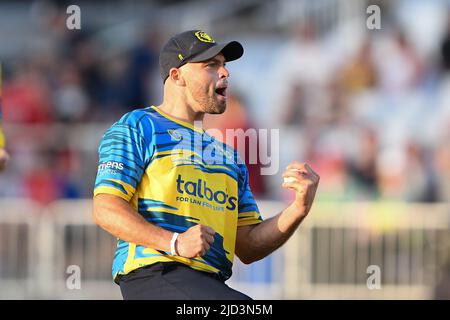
19 254
333 255
341 249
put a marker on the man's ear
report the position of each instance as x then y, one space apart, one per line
176 76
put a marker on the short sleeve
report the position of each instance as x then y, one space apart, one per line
122 159
248 212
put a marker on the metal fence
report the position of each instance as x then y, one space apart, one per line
327 258
337 248
18 254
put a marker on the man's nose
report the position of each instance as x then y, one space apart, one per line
223 72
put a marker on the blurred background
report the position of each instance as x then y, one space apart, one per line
368 109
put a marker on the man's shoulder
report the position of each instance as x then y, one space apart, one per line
141 120
136 117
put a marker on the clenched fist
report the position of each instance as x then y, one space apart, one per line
304 181
4 157
195 242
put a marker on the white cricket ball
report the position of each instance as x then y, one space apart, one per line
289 180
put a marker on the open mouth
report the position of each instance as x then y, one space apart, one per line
221 91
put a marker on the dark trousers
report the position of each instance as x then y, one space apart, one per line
175 281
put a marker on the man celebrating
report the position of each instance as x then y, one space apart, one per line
181 210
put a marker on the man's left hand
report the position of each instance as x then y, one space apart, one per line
301 178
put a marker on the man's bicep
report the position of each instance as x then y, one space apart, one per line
106 201
107 208
101 198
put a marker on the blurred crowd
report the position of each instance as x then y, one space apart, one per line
374 123
377 124
52 96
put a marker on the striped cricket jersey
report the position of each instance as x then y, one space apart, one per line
176 176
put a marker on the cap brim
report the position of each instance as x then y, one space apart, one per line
231 51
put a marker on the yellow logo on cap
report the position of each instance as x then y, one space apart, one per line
180 56
204 37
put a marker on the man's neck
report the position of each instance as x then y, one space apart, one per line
181 112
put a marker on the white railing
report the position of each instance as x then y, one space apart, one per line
327 258
18 253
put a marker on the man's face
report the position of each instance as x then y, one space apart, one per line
206 84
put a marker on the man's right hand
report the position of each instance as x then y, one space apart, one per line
4 157
195 242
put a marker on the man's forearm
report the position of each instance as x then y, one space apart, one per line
270 234
256 242
118 217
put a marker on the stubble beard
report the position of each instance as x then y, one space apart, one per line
215 107
210 105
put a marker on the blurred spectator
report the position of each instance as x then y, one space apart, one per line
40 182
70 100
85 54
26 96
360 72
295 109
391 174
66 171
363 168
398 65
305 69
113 90
421 180
407 174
